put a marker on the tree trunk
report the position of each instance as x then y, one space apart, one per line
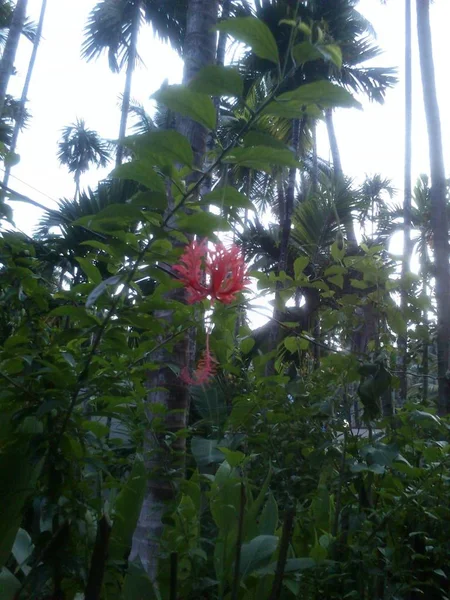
438 201
9 53
26 86
128 80
339 181
315 165
223 36
403 339
426 341
199 50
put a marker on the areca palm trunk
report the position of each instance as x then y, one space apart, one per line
438 201
338 171
10 51
165 387
403 339
131 64
26 86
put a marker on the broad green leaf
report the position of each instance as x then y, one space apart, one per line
101 288
137 584
202 223
18 477
332 53
359 284
217 80
290 343
337 251
261 158
206 451
9 585
198 107
227 196
233 457
300 265
22 549
337 280
247 345
259 138
324 94
268 521
210 403
257 553
254 33
126 511
162 147
305 52
141 172
89 269
292 565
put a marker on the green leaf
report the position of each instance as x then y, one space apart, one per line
260 138
198 107
162 147
337 251
89 269
233 457
337 280
22 549
217 80
9 584
18 478
324 94
268 521
201 223
254 33
141 172
101 288
210 403
257 553
137 584
290 344
358 284
247 345
300 265
227 196
126 511
292 565
332 53
261 158
206 451
305 52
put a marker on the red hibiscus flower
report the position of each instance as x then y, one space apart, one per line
218 273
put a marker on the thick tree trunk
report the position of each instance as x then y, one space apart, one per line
199 50
339 181
26 86
439 218
403 339
128 80
9 53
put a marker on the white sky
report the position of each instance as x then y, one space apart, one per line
64 87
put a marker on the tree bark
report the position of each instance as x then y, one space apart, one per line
339 180
128 80
26 86
403 339
9 53
199 51
438 201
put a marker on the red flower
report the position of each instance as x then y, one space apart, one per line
218 274
206 368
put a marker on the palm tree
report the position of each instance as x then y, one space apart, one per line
439 216
403 339
199 50
114 26
80 148
9 53
26 85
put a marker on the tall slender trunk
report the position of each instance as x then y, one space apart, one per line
10 51
286 205
165 387
426 341
339 181
438 201
131 64
403 339
315 165
26 86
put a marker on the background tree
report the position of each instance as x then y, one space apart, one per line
438 202
10 50
79 149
